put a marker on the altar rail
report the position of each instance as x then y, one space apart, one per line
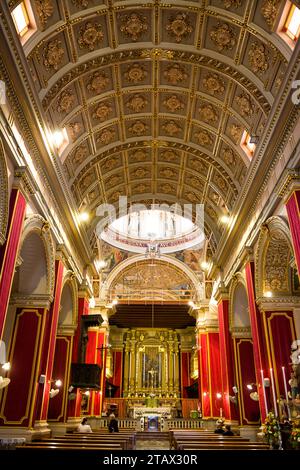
126 423
185 423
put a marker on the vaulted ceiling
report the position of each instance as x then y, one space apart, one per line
155 96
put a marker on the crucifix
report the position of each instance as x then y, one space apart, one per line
152 372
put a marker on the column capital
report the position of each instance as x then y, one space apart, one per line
25 182
247 255
85 290
289 182
221 293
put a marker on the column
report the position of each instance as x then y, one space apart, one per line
48 350
126 369
259 347
9 250
209 364
226 353
83 309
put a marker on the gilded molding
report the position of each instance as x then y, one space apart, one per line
25 182
36 223
31 301
4 195
289 182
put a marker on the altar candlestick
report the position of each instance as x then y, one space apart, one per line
264 391
286 392
274 394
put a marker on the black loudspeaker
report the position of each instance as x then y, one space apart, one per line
85 376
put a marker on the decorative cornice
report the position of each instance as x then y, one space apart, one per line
31 301
85 290
289 182
278 303
66 330
241 332
24 181
221 293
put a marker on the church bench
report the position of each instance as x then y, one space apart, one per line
125 443
56 447
131 436
98 445
175 436
221 446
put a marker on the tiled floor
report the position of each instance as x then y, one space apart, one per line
152 444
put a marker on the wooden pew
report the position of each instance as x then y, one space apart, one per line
124 443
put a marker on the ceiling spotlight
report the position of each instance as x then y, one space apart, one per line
268 294
6 366
114 302
224 219
204 265
84 216
101 264
58 138
92 303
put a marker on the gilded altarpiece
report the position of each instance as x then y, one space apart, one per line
151 366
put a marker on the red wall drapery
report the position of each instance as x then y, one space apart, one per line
293 211
259 347
9 250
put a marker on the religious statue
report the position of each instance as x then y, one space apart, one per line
294 385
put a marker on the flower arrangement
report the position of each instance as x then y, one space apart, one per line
295 434
271 430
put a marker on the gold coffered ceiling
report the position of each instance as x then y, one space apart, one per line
155 96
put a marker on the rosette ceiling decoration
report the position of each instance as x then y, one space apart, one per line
155 97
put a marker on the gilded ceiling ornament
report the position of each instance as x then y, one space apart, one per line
236 132
44 10
223 36
220 182
134 25
269 10
138 128
53 54
90 35
115 196
106 136
173 103
81 3
179 26
74 129
167 188
140 172
215 197
138 156
195 182
110 164
80 154
232 3
137 103
175 74
245 104
228 156
86 181
93 194
171 128
208 113
65 101
211 212
204 138
169 156
258 58
98 82
135 73
102 111
140 188
214 84
192 197
113 181
277 267
168 172
196 164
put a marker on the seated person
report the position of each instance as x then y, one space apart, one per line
83 427
228 431
113 423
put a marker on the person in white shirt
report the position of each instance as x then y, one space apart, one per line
83 427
